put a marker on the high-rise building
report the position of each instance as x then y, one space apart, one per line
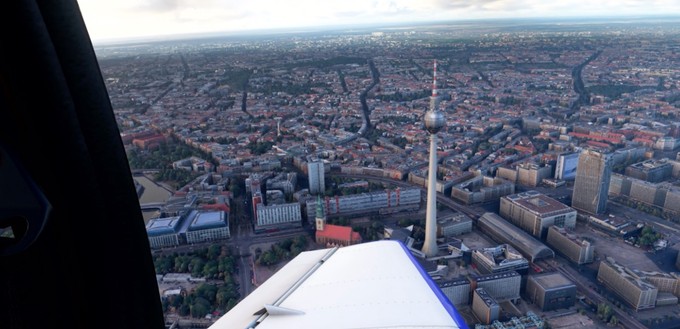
592 182
315 174
434 121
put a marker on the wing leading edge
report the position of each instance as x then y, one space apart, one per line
371 285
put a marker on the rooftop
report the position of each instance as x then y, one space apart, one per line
538 203
453 283
570 236
627 274
503 230
208 220
486 298
651 164
337 232
496 276
551 280
162 226
501 255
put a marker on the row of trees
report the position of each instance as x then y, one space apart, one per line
205 299
284 250
372 232
179 177
214 262
605 313
259 148
648 236
164 155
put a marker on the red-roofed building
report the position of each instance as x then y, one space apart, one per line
216 207
335 235
149 142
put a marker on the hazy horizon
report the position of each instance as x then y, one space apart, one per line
135 19
497 22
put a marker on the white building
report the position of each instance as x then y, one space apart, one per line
278 216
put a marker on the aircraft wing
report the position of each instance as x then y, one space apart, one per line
371 285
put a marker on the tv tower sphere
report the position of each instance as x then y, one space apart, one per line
434 121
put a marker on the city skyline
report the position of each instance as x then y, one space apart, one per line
130 20
252 156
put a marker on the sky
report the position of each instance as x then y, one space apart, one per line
131 19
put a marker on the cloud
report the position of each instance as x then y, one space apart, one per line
462 4
158 6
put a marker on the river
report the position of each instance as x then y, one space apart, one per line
152 193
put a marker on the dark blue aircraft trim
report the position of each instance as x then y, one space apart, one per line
438 292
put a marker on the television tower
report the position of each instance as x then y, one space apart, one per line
434 121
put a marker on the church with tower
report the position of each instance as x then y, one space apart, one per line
330 235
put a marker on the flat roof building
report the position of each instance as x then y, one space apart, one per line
502 286
534 212
504 232
652 170
164 232
663 195
454 225
576 249
614 224
484 307
665 282
457 291
206 226
499 259
628 285
380 202
531 174
278 216
482 189
551 291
